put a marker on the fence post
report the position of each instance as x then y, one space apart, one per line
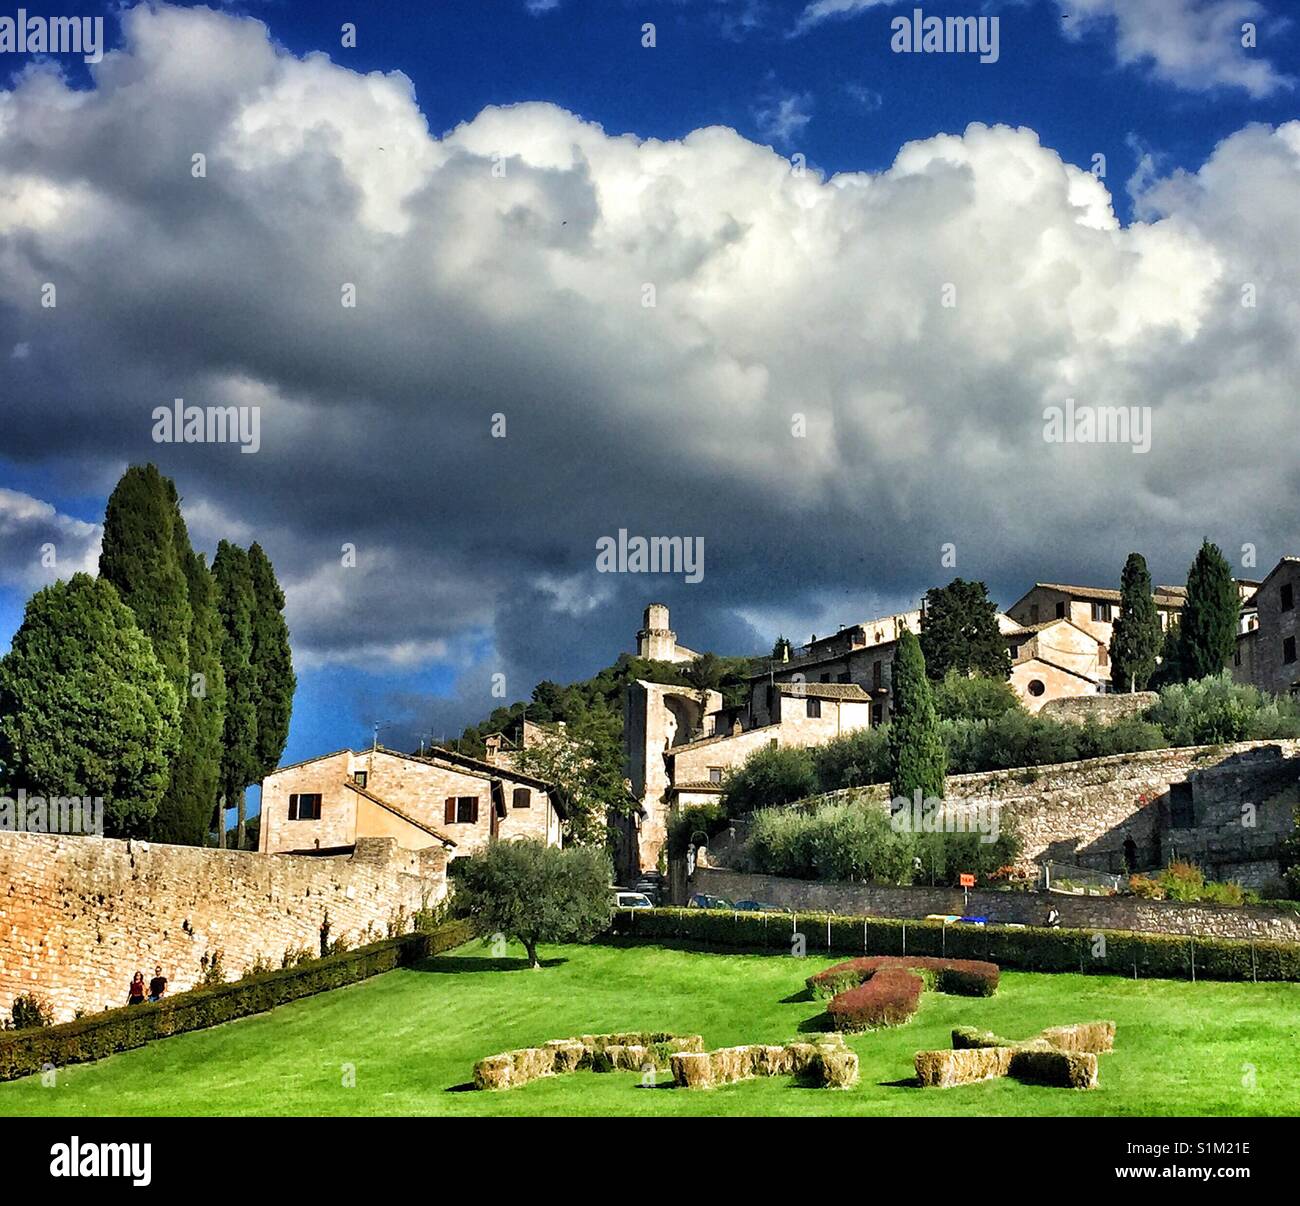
828 933
1192 943
1253 977
864 935
905 937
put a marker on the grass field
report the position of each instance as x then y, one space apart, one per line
412 1037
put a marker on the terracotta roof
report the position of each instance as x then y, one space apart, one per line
851 692
306 761
698 785
397 812
673 750
476 766
1166 594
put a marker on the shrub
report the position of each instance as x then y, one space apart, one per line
29 1011
1217 711
854 760
1028 948
91 1038
885 990
974 697
690 822
770 776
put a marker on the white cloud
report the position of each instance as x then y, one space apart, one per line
1195 45
38 545
777 296
783 117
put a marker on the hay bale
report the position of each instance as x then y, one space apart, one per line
773 1061
629 1057
495 1072
1093 1037
692 1069
839 1068
966 1038
943 1069
566 1054
1060 1069
730 1064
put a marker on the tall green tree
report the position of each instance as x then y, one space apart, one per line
1136 638
196 770
1207 631
272 662
916 753
140 558
236 603
86 707
959 631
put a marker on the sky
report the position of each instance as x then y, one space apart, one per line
750 276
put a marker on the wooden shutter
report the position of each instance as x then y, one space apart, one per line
293 808
473 810
449 810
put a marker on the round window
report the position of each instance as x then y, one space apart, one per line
1036 687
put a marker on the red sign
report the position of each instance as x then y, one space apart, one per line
967 881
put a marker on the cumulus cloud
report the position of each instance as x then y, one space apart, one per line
784 116
799 394
38 545
1193 44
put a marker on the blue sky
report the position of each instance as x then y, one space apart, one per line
481 569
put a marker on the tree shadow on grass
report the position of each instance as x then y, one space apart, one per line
819 1023
797 998
454 964
910 1082
467 1087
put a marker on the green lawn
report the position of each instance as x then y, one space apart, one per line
413 1036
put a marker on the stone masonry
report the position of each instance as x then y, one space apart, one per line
80 915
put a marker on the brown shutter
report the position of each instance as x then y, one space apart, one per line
473 810
293 808
449 810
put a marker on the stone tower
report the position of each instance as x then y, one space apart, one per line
656 640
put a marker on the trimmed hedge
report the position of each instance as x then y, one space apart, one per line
1029 948
885 990
23 1052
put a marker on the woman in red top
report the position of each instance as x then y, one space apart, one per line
135 995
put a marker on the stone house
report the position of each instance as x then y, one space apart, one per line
441 799
1056 659
1266 654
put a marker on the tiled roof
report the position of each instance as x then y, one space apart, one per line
698 785
851 692
1165 594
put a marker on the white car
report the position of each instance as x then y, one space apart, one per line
631 900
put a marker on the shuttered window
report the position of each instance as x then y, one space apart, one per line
523 798
460 810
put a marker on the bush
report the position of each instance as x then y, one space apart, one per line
25 1052
974 697
854 760
696 819
770 776
1217 711
1031 948
1185 882
885 990
29 1012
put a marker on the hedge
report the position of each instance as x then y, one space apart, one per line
885 990
23 1052
1028 948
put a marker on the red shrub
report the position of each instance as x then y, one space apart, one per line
885 990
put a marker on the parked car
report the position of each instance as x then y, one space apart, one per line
701 900
758 906
652 885
623 899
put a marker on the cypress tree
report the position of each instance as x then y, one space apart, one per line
916 754
272 662
959 631
85 706
139 557
235 606
196 770
1207 632
1136 638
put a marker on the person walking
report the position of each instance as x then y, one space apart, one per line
158 985
135 994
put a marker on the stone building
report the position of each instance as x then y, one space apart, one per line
1266 655
440 799
657 641
1056 659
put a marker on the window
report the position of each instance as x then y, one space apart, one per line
460 810
715 774
1288 650
1288 597
877 670
877 713
825 678
1060 610
1236 657
1036 687
815 706
523 798
360 777
304 806
843 678
1103 655
1181 813
1102 612
1015 652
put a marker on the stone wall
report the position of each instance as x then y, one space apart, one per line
1105 709
1021 908
1234 807
79 916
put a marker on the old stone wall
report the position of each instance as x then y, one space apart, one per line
79 916
1105 709
1018 908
